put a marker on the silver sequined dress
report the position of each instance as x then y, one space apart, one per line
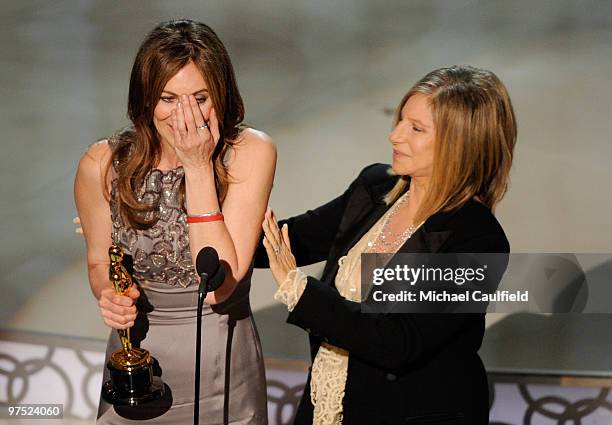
232 384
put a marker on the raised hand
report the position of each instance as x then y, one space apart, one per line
195 131
278 248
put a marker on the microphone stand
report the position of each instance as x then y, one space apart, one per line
202 290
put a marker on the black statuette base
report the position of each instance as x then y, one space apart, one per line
132 388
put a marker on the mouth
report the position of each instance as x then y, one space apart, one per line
399 154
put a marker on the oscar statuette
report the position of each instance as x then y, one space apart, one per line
131 369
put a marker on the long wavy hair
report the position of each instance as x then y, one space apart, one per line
167 49
475 137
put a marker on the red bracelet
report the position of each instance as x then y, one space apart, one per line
204 219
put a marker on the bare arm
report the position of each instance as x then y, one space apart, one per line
252 165
118 311
251 168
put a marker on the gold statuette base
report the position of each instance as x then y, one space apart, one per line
132 359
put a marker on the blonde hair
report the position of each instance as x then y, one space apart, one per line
475 137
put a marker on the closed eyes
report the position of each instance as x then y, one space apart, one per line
172 99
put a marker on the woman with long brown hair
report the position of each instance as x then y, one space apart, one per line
186 174
453 140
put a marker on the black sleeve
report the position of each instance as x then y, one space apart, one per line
389 341
313 232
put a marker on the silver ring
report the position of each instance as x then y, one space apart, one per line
276 251
204 126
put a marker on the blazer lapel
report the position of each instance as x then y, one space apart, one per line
361 227
364 209
425 242
430 237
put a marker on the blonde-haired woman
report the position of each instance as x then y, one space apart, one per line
453 138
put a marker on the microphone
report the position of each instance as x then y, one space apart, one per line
212 275
216 280
210 271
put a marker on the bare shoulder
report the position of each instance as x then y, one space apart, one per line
255 141
99 151
94 161
254 150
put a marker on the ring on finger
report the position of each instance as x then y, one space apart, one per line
276 250
203 126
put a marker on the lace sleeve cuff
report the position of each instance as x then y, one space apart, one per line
290 291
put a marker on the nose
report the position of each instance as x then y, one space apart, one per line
394 136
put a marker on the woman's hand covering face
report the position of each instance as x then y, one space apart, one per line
195 131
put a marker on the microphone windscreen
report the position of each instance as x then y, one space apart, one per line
217 279
207 261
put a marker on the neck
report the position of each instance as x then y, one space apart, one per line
168 159
418 189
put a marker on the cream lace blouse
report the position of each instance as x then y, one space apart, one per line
329 370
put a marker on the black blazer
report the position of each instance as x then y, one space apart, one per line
403 368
